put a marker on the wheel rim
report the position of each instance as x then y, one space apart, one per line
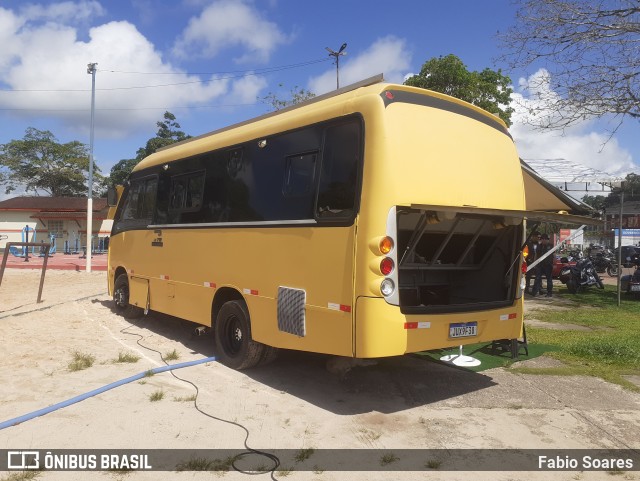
121 296
233 336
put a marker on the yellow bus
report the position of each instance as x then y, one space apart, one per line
373 221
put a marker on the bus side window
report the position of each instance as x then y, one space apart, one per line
185 198
339 171
139 204
299 174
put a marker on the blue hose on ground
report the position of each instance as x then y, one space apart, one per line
82 397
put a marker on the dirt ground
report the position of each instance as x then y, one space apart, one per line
402 402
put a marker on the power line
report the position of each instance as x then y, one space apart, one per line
240 75
129 109
254 71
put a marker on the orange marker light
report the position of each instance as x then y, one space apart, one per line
386 245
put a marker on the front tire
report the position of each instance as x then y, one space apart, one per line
121 299
612 271
234 345
572 286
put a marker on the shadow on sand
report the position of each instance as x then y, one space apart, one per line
391 385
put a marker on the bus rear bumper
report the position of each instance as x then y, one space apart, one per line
381 330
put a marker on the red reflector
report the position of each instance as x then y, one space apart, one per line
386 266
524 268
512 315
411 325
344 308
389 95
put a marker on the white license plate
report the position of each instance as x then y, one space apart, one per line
463 329
634 287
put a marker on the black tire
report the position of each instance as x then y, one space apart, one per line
235 347
121 299
270 354
612 271
599 282
572 286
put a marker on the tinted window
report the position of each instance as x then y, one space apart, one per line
299 175
186 192
339 172
138 204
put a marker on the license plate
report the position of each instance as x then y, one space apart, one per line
463 329
635 287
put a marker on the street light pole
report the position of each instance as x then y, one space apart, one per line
336 55
91 69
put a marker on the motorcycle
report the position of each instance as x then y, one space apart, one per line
604 262
580 276
631 283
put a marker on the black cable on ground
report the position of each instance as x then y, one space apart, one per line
250 451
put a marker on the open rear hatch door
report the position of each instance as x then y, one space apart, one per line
465 257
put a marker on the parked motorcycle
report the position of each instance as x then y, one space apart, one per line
580 276
631 283
604 262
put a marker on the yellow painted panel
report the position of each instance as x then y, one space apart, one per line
380 328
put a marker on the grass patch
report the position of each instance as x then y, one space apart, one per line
433 464
22 476
126 357
156 395
81 361
186 398
610 349
304 454
204 464
388 459
171 356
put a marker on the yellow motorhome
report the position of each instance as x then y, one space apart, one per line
373 221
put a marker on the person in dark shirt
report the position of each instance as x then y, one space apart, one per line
532 249
544 268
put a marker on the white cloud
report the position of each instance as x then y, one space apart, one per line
63 11
585 143
388 55
229 23
46 66
246 89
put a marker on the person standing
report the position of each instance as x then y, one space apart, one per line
532 255
544 268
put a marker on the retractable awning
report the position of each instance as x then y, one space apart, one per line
544 203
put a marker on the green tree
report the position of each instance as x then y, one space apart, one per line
168 133
487 89
630 187
296 96
121 171
595 201
39 163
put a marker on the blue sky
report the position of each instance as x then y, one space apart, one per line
217 58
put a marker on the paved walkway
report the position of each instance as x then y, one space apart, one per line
71 262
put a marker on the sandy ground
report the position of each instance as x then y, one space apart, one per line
402 402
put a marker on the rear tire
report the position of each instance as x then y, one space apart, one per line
121 299
235 347
572 287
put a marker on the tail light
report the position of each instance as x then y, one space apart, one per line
386 266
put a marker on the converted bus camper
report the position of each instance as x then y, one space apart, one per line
373 221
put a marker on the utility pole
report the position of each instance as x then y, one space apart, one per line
91 69
336 55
